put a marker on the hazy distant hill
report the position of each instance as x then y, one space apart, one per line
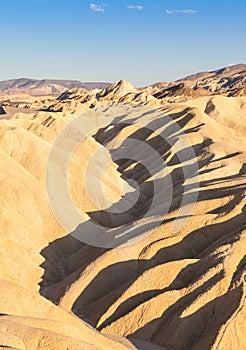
46 86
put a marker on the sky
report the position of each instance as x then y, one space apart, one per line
141 41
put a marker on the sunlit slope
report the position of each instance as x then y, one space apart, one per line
179 283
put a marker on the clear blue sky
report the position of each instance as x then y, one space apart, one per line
69 40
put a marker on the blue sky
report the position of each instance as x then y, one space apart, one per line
141 41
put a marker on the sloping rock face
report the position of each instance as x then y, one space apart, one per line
181 89
166 182
229 80
28 321
118 89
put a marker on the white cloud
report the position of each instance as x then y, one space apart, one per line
97 8
135 7
186 12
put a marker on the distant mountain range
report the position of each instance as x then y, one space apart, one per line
45 87
229 81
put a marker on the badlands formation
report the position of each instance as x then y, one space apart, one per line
173 157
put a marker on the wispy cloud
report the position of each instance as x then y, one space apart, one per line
97 8
135 7
186 12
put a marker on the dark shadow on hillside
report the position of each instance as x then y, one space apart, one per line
197 245
67 258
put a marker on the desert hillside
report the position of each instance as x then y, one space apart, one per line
145 248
